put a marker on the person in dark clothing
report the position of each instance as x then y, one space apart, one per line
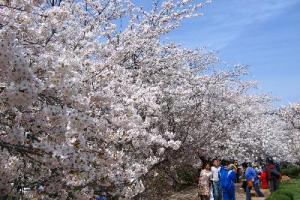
236 166
273 176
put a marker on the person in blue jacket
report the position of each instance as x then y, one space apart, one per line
251 176
227 179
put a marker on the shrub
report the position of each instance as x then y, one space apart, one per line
281 195
186 177
293 187
286 193
292 171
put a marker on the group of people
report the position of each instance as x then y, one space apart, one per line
218 182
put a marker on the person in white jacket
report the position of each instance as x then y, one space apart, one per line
216 187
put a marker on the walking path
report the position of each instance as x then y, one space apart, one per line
191 194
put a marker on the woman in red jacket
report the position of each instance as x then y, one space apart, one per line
264 179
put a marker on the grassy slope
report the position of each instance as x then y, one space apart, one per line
293 187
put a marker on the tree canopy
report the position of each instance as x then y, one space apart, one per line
93 96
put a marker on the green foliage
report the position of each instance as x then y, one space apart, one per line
187 177
164 181
283 192
278 196
291 171
293 187
287 191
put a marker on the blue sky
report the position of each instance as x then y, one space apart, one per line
264 34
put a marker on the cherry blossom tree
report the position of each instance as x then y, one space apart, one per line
93 98
79 97
291 116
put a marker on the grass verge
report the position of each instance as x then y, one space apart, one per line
287 191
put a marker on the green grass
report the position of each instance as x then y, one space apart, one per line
287 191
293 187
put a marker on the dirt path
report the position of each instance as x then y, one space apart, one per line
191 194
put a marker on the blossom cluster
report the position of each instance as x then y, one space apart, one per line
93 100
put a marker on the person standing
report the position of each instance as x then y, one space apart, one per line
236 165
252 181
273 175
232 178
205 182
227 179
264 179
217 190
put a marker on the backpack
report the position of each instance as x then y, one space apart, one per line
226 183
